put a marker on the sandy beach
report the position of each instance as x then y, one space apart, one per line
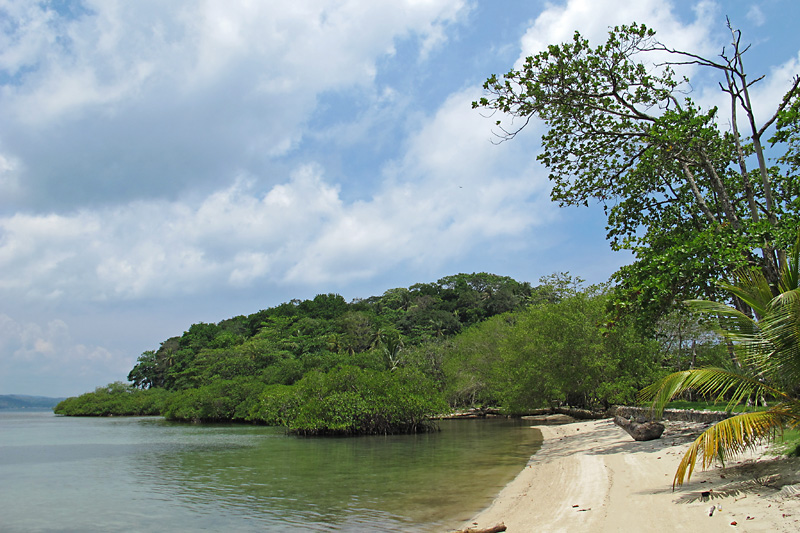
592 476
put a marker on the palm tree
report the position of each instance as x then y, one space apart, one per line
767 346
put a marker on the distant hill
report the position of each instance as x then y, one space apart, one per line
21 401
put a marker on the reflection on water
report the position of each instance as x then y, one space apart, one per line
139 474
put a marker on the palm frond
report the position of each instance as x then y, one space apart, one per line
752 288
660 393
731 323
787 299
780 330
709 382
731 437
790 273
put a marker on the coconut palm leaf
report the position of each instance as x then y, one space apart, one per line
780 330
790 273
752 288
730 322
731 437
710 382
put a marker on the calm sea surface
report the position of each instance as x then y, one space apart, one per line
146 474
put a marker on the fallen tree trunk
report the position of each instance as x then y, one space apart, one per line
640 430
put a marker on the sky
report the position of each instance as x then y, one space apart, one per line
168 163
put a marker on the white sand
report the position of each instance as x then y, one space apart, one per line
592 476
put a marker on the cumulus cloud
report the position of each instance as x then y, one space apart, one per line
767 94
452 191
593 18
150 98
448 193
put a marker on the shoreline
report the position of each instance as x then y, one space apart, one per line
592 476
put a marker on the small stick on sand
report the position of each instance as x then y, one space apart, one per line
494 529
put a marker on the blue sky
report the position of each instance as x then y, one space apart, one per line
166 163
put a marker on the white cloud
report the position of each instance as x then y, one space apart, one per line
450 194
594 18
10 186
149 98
767 94
154 155
114 51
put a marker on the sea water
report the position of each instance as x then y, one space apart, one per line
146 474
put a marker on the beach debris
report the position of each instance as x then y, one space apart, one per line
550 419
733 523
768 480
640 429
494 529
788 491
711 510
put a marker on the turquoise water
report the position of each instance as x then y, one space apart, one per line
146 474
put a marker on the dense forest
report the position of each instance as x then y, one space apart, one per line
389 363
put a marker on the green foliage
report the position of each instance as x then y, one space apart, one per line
471 362
387 363
215 370
688 341
676 189
279 345
117 399
222 400
554 352
349 400
558 353
768 350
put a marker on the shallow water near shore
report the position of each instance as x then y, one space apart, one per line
145 474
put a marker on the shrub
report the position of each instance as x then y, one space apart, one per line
115 399
349 401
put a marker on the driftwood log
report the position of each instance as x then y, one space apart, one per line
494 529
640 429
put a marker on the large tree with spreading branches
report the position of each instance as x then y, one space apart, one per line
690 191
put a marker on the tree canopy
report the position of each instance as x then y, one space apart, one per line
388 363
674 179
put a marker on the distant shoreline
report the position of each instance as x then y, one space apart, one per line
591 476
15 402
25 409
